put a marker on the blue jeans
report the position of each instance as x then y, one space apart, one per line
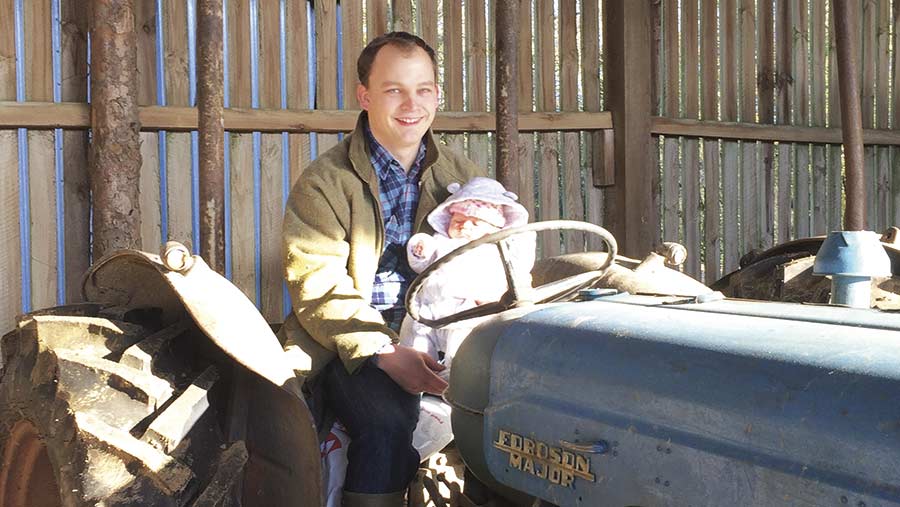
380 418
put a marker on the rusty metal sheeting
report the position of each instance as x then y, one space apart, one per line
507 100
116 146
846 16
210 101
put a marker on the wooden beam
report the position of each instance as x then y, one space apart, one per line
377 19
11 272
761 132
41 182
326 64
601 145
77 116
403 16
45 115
524 88
75 202
630 212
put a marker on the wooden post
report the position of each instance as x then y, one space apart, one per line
846 21
116 147
506 26
630 213
211 103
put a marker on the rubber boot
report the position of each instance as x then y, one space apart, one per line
349 499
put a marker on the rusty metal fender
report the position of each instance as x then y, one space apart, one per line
221 310
284 466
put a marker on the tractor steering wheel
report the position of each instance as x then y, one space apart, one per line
519 291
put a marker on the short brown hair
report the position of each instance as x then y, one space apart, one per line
402 40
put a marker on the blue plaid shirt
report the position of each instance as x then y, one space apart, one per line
398 192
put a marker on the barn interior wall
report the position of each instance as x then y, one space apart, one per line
751 61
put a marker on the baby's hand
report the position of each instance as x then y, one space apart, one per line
418 249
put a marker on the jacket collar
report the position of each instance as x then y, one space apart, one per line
359 152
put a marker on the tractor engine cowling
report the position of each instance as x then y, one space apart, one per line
642 400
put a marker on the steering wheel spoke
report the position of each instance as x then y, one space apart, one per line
518 283
470 313
559 291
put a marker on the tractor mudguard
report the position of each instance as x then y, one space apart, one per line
266 410
143 395
140 279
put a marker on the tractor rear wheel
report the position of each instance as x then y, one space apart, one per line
102 405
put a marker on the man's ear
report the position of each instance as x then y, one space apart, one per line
362 96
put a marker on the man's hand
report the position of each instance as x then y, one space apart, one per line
412 370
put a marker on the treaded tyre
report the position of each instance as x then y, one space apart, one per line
105 406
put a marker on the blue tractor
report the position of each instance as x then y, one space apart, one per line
606 381
641 387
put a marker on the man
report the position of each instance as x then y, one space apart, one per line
345 230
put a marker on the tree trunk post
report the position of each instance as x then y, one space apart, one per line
211 103
116 145
846 22
506 24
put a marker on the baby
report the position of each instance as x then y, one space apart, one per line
480 207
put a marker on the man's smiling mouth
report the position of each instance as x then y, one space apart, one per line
408 121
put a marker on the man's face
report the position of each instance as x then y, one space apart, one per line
470 228
401 98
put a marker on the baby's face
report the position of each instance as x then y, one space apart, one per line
470 228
